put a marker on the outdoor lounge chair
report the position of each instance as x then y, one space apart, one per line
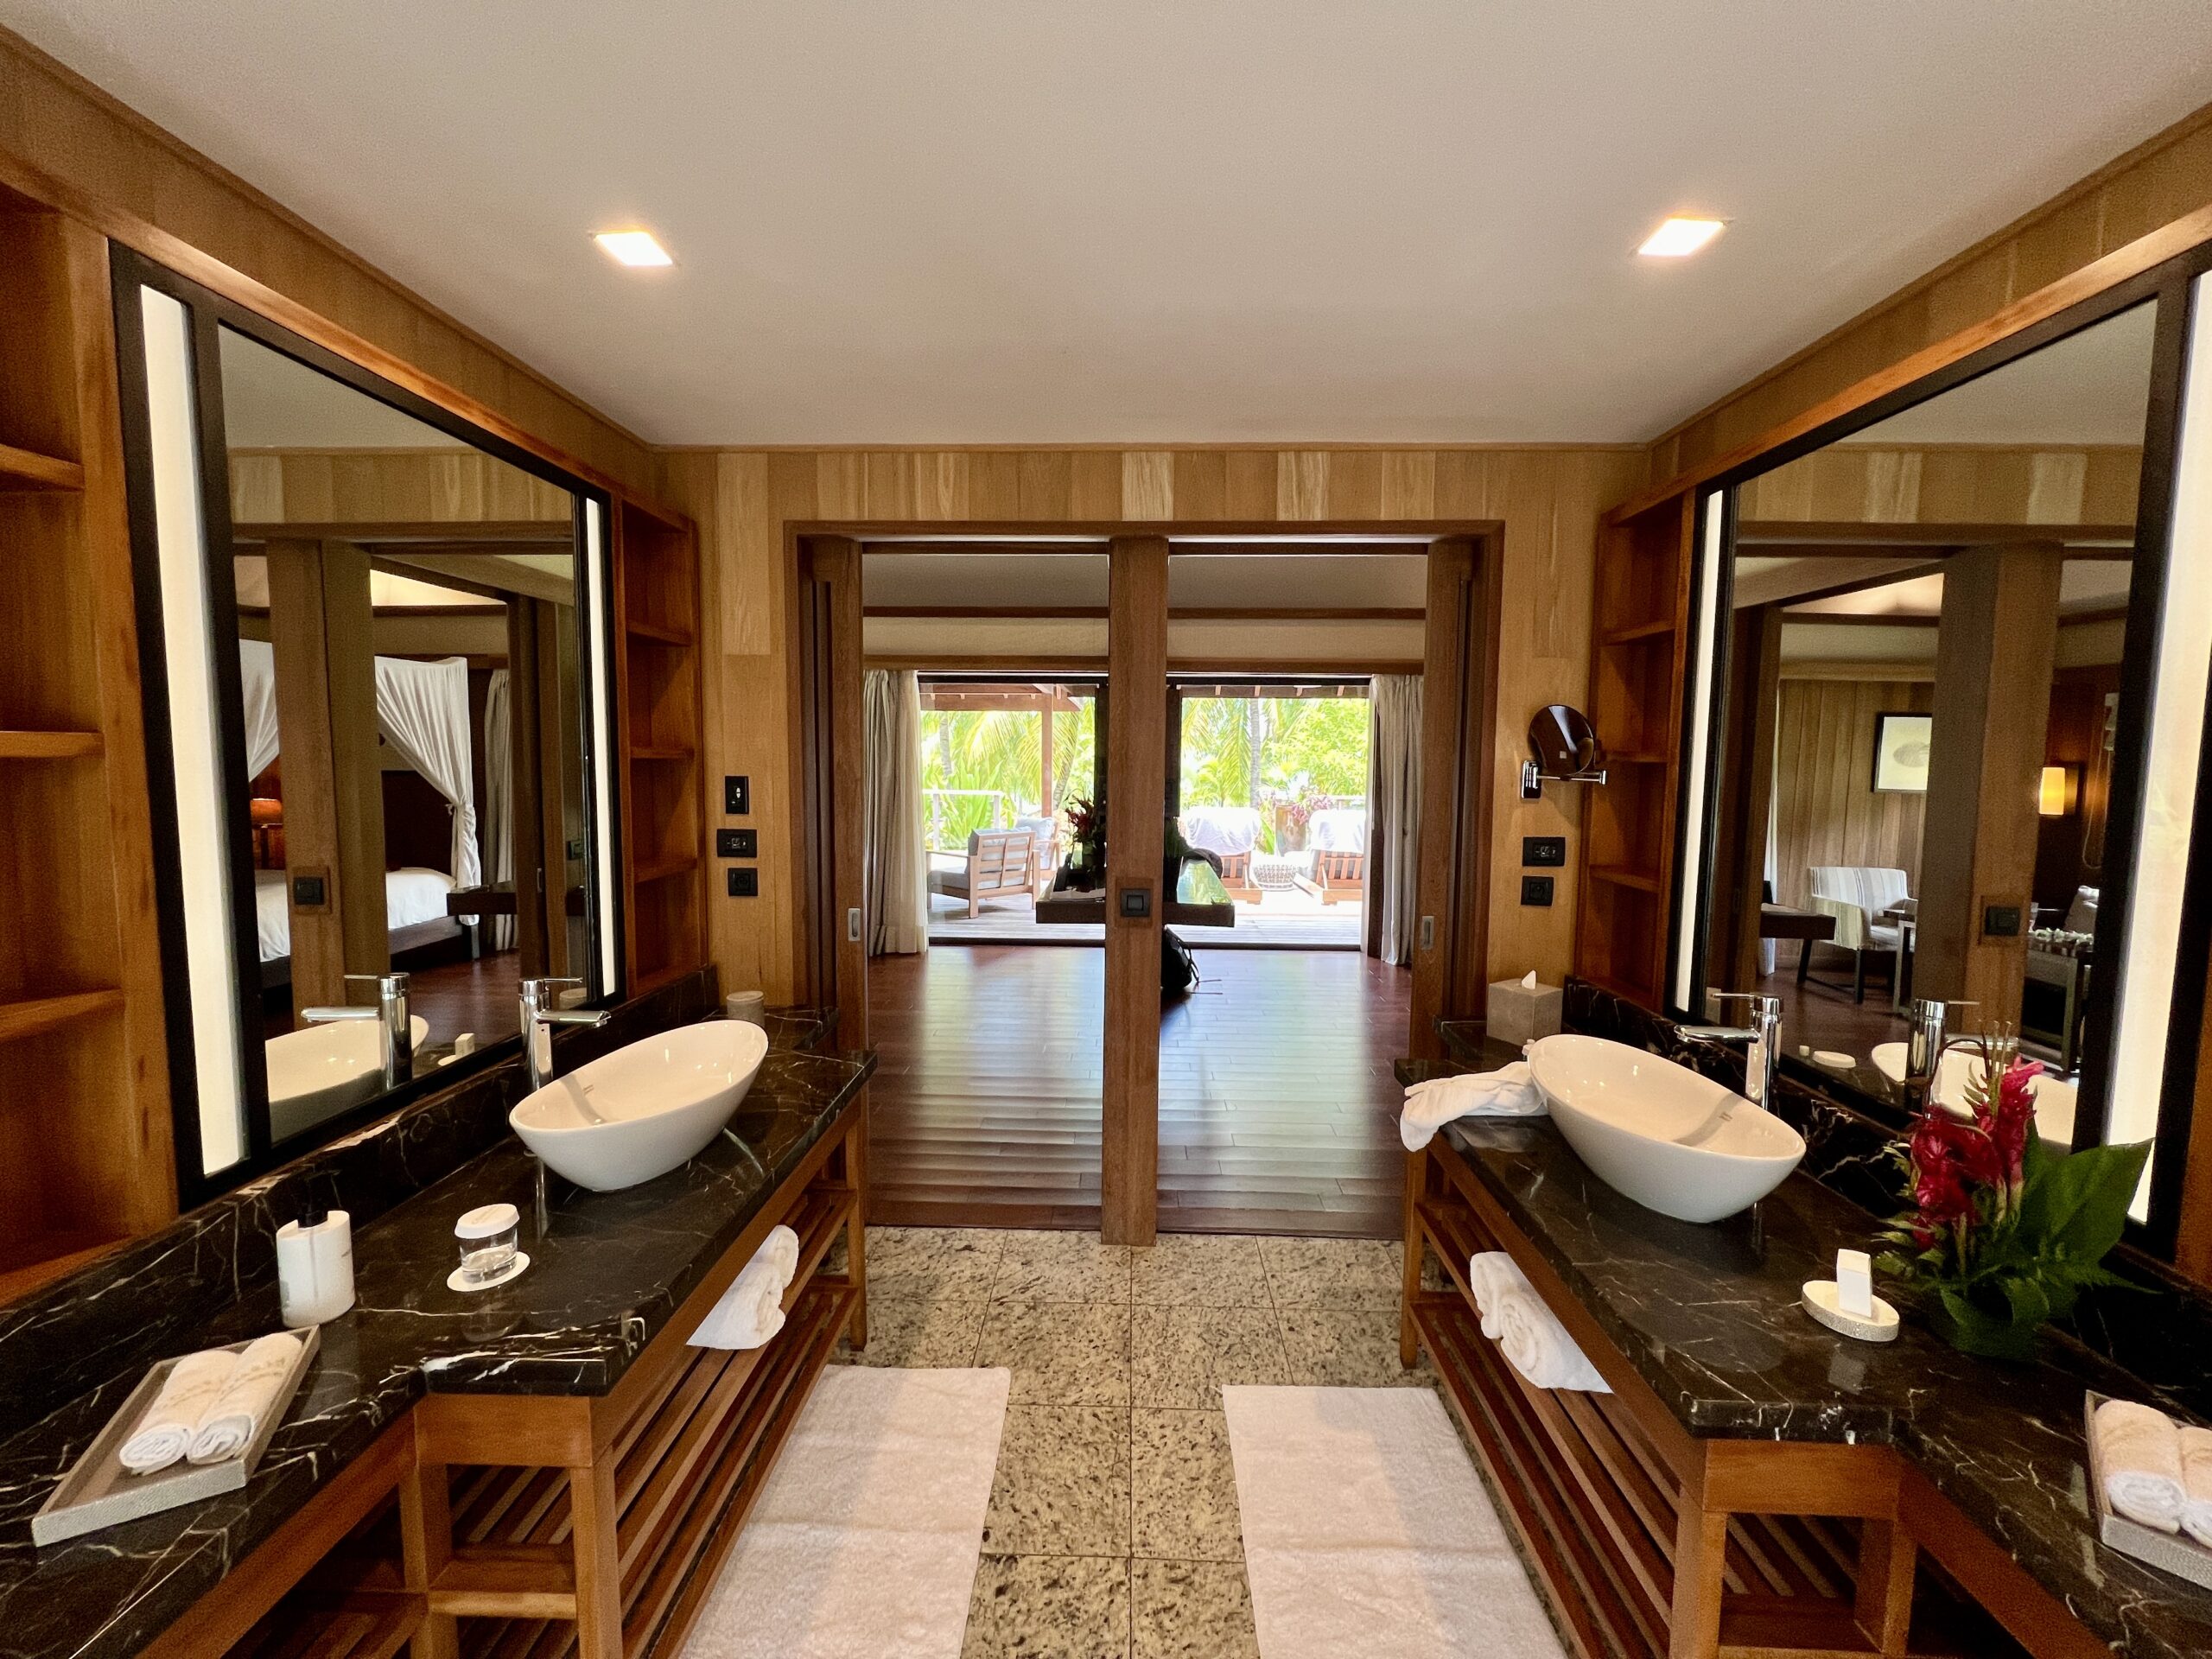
1001 864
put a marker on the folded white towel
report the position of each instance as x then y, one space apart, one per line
2196 1484
1528 1332
1510 1091
164 1433
246 1400
2140 1451
752 1310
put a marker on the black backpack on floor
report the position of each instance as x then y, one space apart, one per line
1178 968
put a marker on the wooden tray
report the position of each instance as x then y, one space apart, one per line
98 1492
2174 1553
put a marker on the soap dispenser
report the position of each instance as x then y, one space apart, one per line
315 1266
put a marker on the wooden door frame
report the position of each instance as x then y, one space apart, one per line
1459 783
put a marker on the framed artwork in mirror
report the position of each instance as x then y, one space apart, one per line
1903 743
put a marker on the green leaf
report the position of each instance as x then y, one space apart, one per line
2076 1206
2029 1304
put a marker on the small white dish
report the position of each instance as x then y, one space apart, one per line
459 1279
1834 1059
1819 1298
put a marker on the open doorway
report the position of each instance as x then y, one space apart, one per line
1285 721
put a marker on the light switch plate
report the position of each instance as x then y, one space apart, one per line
1544 852
737 843
1536 890
744 883
737 796
1136 903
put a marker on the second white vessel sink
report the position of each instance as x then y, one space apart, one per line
1659 1133
642 1110
322 1069
2054 1096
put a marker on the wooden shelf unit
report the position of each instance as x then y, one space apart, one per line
656 587
85 1155
1639 629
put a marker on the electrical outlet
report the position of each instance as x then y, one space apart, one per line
2000 922
1536 890
744 883
737 796
1544 852
737 843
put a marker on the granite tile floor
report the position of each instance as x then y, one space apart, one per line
1112 1529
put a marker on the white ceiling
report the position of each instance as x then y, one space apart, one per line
994 220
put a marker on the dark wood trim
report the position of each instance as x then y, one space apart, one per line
1847 538
1136 768
1176 613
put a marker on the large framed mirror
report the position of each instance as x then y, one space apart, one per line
1945 720
379 717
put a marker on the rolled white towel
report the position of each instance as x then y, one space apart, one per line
1531 1336
2196 1484
752 1310
2140 1451
1510 1091
164 1433
1490 1273
246 1400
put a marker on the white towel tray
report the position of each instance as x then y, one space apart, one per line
2174 1553
98 1492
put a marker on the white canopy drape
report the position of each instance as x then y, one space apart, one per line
257 672
423 711
500 793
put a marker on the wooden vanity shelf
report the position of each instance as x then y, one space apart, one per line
664 829
1593 1484
80 987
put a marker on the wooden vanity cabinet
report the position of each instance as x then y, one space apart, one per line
1648 1541
536 1526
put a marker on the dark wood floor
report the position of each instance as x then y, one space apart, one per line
1278 1112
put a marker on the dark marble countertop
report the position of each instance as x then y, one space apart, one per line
605 1274
1709 1317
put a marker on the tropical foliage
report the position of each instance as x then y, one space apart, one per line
1286 755
983 769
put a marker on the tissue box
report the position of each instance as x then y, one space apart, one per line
1519 1014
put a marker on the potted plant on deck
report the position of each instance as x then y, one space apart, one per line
2004 1234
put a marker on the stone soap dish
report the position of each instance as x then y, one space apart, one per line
2169 1552
98 1492
1820 1298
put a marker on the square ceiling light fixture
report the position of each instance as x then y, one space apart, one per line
637 248
1677 237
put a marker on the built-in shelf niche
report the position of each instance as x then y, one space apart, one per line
665 862
85 1156
1638 625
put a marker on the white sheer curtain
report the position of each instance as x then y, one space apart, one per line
1393 814
896 888
257 674
500 794
423 711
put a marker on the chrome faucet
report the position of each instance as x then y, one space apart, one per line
1925 1043
396 1037
539 1016
1762 1036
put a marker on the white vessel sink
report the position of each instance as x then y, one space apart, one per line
642 1110
2054 1096
322 1070
1659 1133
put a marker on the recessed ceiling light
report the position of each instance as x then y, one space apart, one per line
633 247
1676 237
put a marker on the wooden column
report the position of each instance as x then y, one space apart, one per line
836 563
1137 770
318 631
1993 655
526 790
1745 757
551 623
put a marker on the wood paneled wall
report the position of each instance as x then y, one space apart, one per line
1825 810
745 502
2151 188
364 486
1950 484
65 142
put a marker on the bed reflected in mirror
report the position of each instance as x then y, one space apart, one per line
407 663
